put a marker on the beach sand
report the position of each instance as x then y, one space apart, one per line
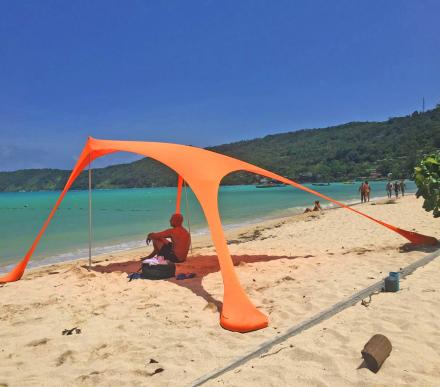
167 332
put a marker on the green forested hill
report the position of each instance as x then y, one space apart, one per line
336 153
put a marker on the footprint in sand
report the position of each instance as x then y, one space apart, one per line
92 377
285 279
99 353
310 356
36 343
148 373
283 315
338 336
100 309
65 356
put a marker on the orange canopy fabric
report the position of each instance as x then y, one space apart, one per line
203 171
179 193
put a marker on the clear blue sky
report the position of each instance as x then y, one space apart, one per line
204 72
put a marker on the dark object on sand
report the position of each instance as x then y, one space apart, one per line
376 351
183 276
366 303
392 282
157 272
70 331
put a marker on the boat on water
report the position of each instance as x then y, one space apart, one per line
321 184
264 183
348 182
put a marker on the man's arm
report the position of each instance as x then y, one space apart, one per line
161 234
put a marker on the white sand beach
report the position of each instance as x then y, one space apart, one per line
165 333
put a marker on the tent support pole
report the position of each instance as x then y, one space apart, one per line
188 215
90 216
179 193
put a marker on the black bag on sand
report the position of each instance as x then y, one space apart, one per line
157 272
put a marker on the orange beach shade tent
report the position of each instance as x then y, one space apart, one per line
203 171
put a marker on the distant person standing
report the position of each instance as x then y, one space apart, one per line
389 189
396 189
361 190
365 189
402 187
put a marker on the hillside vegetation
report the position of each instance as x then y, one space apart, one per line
343 152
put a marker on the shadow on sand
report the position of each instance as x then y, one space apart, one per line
407 247
192 265
211 265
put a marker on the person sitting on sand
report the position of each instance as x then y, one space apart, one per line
317 207
176 249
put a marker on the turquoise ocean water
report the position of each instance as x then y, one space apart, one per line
123 217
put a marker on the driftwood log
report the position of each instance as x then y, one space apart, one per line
376 351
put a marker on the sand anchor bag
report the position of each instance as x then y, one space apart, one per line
157 272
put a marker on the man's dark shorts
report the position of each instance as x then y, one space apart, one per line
168 253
